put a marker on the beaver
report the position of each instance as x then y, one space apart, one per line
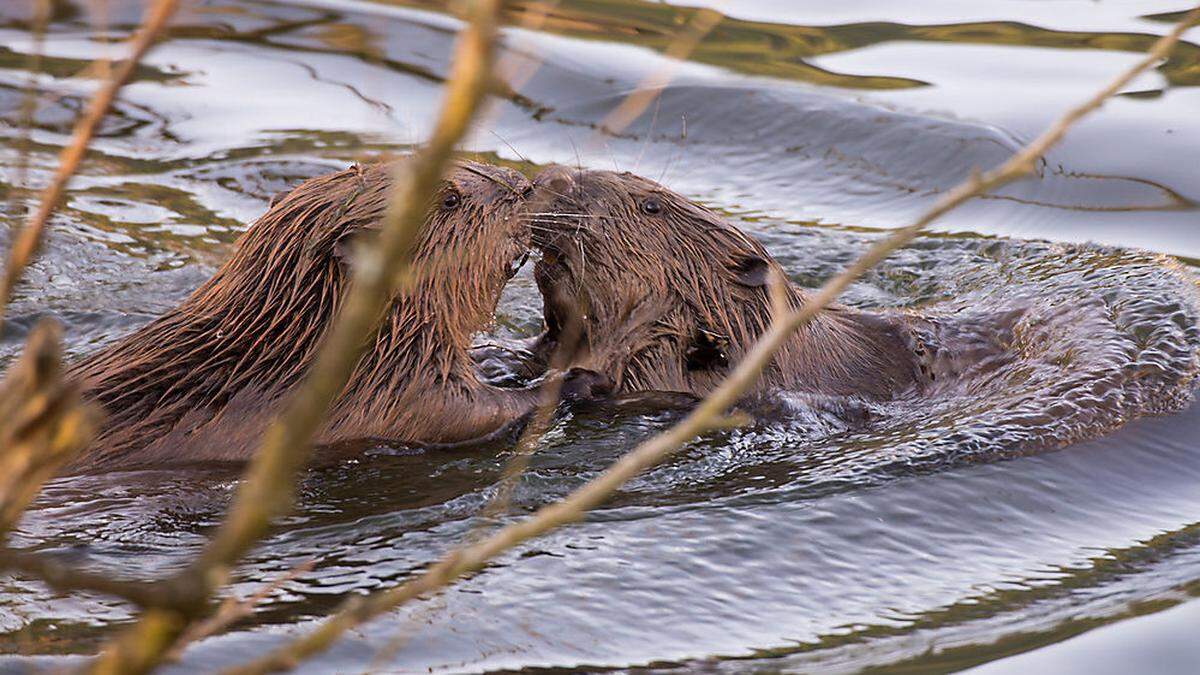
666 295
200 383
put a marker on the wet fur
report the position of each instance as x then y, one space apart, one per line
671 300
201 382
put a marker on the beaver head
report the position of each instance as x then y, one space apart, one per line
623 256
247 335
667 295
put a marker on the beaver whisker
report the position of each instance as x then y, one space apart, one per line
582 260
559 226
565 214
510 147
558 222
497 181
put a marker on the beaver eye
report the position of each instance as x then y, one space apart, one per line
451 200
651 206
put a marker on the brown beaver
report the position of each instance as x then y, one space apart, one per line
668 296
201 382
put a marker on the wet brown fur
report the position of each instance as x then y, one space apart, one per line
201 382
671 300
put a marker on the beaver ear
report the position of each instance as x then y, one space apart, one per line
751 271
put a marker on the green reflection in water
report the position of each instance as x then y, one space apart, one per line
780 50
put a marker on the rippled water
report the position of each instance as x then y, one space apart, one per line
938 540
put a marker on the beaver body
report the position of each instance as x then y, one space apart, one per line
668 296
201 382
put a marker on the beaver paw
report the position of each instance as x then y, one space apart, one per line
581 384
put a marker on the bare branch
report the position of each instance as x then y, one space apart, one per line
65 578
269 484
684 43
44 422
39 19
701 24
708 415
233 610
26 242
267 490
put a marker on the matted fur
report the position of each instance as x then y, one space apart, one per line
670 295
201 382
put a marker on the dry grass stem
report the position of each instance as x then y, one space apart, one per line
233 610
29 98
26 242
44 422
510 76
267 490
711 411
539 421
700 25
269 484
508 68
66 578
648 90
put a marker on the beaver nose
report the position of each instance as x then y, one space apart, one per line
503 182
556 179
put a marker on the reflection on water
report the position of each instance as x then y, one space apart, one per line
775 547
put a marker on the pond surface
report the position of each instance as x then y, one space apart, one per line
941 541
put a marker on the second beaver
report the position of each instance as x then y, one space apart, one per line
668 296
201 382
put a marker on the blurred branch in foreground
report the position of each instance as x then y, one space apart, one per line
233 610
690 35
269 484
682 45
29 98
27 241
710 413
45 424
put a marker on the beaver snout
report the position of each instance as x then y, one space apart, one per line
554 206
557 180
500 183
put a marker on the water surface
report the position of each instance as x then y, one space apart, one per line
949 537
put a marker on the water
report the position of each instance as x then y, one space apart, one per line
938 541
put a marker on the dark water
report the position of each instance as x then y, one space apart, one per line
939 540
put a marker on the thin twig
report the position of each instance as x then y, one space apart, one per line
267 490
648 90
539 421
66 578
532 19
269 484
708 414
29 101
509 72
682 45
43 422
233 610
28 240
